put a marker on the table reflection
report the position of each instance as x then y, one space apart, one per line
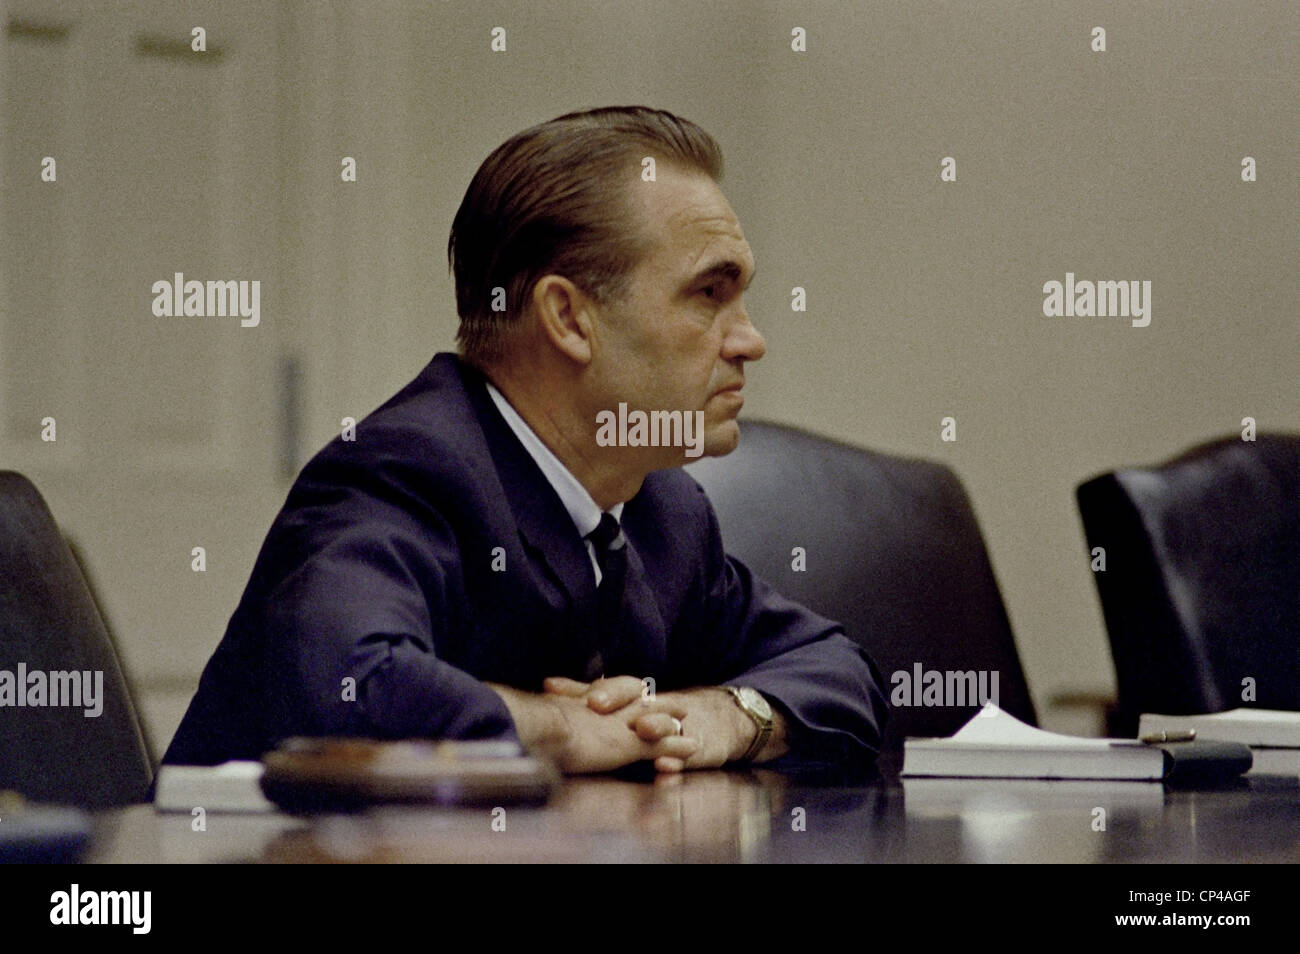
761 815
698 816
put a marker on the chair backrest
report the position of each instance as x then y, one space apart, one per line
1201 587
892 552
54 648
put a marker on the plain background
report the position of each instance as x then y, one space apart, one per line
924 298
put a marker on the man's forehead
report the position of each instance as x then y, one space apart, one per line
718 249
700 226
695 204
692 227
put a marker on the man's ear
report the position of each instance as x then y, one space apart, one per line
564 316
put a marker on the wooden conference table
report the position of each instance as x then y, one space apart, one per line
760 816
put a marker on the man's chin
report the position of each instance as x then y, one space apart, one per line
721 439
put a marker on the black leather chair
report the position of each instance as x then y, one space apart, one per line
893 552
49 623
1202 582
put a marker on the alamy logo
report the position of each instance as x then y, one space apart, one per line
75 906
1085 299
655 429
950 687
77 688
214 299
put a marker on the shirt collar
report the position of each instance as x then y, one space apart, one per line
582 509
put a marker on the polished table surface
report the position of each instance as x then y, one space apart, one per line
760 816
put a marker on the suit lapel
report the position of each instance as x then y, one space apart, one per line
548 534
545 526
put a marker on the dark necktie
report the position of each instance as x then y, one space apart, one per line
611 554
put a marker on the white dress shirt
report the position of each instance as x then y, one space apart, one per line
584 511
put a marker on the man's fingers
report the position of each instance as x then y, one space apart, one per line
666 704
609 695
669 765
603 695
674 747
653 726
563 686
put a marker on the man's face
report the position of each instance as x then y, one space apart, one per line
681 337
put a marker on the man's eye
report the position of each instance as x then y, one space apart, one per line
709 290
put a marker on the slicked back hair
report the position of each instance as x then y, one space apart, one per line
555 199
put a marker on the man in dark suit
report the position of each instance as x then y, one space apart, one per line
478 562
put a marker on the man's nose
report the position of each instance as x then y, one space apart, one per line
743 340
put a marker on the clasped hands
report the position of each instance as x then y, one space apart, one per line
609 723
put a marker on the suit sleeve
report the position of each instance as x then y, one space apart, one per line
826 685
354 627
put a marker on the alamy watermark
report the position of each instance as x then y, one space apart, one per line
213 299
947 687
1102 299
76 906
651 429
82 688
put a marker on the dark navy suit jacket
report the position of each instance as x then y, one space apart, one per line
378 574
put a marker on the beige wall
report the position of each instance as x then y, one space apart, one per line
924 298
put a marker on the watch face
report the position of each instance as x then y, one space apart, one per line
754 700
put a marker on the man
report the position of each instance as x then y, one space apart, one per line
477 564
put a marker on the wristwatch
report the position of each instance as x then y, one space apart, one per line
757 708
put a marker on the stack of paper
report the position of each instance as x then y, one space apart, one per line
995 744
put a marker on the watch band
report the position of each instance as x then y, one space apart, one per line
764 725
